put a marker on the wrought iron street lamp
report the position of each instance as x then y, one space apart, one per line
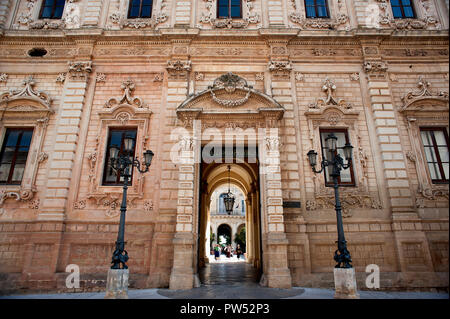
336 163
229 199
123 165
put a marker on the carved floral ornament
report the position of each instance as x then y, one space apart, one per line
329 88
128 87
230 82
80 70
411 100
178 69
249 17
119 18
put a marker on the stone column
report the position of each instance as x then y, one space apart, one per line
67 131
276 271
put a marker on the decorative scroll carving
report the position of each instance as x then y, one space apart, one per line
80 70
61 78
280 69
26 92
349 202
23 194
100 77
423 93
148 205
158 16
159 77
375 66
329 87
431 194
178 69
3 77
128 87
229 82
249 17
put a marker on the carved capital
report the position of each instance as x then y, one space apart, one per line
79 71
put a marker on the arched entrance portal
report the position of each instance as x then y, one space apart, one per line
243 178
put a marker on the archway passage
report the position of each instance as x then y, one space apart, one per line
216 225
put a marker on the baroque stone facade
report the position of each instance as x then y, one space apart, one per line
184 73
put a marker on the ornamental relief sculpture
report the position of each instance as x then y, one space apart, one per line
329 88
338 20
119 18
29 18
208 16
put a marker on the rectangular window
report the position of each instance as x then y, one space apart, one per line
52 9
316 9
402 9
347 176
14 153
116 137
229 9
435 144
140 9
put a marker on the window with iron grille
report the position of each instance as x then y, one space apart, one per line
402 9
14 153
435 144
52 9
347 176
140 9
316 9
229 9
116 137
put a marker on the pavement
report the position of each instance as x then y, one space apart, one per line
230 278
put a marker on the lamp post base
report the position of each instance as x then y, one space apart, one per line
117 284
345 283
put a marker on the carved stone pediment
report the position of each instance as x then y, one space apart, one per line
229 95
26 101
424 99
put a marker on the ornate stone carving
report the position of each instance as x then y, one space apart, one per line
375 66
26 92
34 204
329 87
259 77
80 70
349 201
199 76
323 52
61 78
81 204
128 87
158 16
299 76
230 82
187 143
100 77
21 195
42 157
280 69
148 205
423 92
273 143
354 76
411 156
178 69
249 17
3 77
159 77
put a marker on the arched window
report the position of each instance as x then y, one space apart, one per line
229 9
140 9
316 9
52 9
402 9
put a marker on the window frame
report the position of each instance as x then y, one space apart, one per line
436 151
140 10
125 129
53 10
401 6
327 7
352 183
13 161
229 11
